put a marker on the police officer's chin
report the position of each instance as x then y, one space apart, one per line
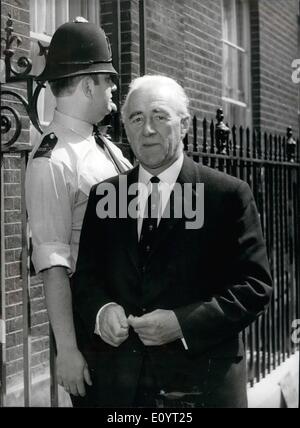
111 107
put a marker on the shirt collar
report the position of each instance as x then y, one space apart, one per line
84 129
168 176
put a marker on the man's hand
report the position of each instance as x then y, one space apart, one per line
156 328
72 371
113 325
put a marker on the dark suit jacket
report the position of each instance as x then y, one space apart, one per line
216 279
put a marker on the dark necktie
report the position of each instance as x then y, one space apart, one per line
150 219
102 143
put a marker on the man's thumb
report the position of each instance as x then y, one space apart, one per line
86 375
122 318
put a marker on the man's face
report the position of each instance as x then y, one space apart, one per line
102 96
154 127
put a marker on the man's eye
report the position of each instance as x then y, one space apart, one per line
160 117
137 120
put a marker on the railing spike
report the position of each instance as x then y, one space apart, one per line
222 133
291 145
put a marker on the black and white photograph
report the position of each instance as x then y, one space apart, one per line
150 206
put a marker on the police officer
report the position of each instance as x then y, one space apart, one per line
67 161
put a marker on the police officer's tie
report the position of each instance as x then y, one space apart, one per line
102 143
150 221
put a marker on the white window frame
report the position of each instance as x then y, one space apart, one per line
246 50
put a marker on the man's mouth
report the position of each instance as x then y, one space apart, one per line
149 145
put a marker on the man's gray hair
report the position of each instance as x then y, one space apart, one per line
178 92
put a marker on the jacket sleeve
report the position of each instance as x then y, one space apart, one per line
244 294
88 284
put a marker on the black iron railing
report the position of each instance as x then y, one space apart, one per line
271 166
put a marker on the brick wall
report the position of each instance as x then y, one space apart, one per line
184 42
165 38
278 46
11 188
203 56
255 63
129 39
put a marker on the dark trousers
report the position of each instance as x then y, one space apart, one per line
211 383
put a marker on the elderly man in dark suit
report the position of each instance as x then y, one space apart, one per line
160 302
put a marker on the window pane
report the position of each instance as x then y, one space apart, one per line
234 74
50 17
75 9
38 16
240 24
236 61
61 12
93 11
229 21
235 114
242 80
232 67
42 18
89 9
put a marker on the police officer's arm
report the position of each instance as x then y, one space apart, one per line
49 203
72 368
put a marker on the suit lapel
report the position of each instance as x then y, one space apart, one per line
129 229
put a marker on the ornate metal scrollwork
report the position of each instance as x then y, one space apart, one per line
6 125
13 75
30 107
22 62
222 133
43 50
291 145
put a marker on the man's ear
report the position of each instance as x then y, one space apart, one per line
87 85
185 124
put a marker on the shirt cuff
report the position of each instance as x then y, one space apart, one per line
51 254
97 324
184 344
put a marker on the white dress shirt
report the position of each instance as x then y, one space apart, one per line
167 182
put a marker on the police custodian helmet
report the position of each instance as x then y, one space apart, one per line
78 47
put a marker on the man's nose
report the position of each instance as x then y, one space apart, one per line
113 87
148 128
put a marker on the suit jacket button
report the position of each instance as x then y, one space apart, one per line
144 309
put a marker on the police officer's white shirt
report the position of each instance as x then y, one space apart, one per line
57 190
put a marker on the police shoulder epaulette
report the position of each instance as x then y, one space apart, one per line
47 145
